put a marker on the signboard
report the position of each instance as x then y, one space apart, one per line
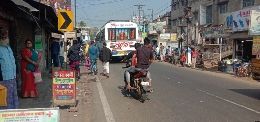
254 28
64 92
256 45
70 34
241 19
173 37
30 115
65 20
155 27
56 35
165 36
38 42
214 32
137 18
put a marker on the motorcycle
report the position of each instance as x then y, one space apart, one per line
139 83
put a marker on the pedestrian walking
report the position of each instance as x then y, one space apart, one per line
194 54
7 72
55 51
29 64
74 58
93 54
61 56
87 64
105 56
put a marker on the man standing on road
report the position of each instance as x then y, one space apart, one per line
55 52
144 58
161 52
194 54
61 56
93 54
105 57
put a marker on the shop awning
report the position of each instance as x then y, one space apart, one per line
24 4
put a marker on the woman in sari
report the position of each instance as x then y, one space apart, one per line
30 63
87 65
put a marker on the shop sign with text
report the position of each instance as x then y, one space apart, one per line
215 32
241 19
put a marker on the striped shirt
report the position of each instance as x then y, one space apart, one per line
7 62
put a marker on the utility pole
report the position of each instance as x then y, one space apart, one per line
152 14
75 13
139 7
187 12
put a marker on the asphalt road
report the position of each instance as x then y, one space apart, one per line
180 95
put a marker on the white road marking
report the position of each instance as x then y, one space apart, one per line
107 110
250 109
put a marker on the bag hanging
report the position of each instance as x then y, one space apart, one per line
3 94
38 76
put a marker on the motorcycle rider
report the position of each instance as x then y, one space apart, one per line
129 57
144 57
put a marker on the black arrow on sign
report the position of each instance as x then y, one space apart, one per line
67 20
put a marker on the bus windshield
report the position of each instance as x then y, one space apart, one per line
121 33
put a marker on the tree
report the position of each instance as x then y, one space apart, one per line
82 24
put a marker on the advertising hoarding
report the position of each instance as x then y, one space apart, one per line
254 27
241 19
60 5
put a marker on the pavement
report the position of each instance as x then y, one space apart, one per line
83 98
180 94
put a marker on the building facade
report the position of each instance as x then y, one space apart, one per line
214 26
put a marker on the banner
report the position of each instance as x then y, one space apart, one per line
241 19
30 115
254 28
256 45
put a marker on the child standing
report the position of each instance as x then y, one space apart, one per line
183 60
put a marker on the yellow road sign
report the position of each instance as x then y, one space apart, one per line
65 20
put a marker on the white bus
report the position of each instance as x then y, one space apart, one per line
120 36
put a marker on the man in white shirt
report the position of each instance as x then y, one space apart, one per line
61 56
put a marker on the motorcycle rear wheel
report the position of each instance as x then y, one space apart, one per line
142 96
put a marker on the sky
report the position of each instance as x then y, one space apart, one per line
95 13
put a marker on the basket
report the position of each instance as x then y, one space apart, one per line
3 92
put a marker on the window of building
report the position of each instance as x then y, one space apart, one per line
174 22
174 7
182 3
223 8
209 14
180 20
247 3
169 21
195 15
